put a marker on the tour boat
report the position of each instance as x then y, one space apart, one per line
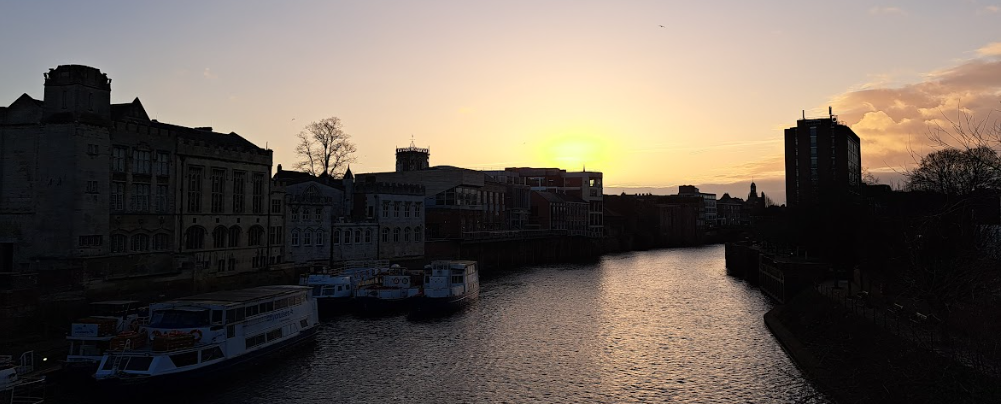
333 289
14 387
392 291
448 285
91 336
204 334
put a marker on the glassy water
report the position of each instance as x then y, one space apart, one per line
652 326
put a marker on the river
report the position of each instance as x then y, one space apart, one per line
650 326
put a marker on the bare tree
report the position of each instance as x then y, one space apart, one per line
957 172
324 147
868 178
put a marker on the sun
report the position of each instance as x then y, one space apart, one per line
574 151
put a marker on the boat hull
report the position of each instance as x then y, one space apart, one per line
432 305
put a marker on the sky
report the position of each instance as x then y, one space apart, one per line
652 93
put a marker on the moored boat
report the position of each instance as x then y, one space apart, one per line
334 289
205 334
448 285
91 336
392 292
14 386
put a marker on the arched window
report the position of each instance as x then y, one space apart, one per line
140 243
417 209
417 233
406 209
255 236
194 238
337 236
161 241
219 237
234 236
357 236
307 237
396 235
385 234
117 243
368 235
295 237
396 209
319 237
406 233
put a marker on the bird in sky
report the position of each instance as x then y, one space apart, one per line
662 26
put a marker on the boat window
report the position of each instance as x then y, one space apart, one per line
281 303
303 323
254 341
185 359
230 331
179 319
211 353
274 334
456 278
139 363
216 316
252 310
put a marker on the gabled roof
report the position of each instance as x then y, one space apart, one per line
25 98
133 111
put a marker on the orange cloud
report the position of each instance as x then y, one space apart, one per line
895 123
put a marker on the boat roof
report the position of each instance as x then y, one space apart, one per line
116 302
226 297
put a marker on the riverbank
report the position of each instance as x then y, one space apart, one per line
854 361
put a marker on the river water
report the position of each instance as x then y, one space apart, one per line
651 326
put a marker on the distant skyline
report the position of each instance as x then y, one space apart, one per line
652 93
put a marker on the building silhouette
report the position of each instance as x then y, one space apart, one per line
823 162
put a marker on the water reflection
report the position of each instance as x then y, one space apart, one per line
654 326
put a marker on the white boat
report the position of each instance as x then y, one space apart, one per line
392 291
205 334
14 387
333 289
91 336
449 285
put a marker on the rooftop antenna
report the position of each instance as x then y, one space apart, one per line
830 111
804 114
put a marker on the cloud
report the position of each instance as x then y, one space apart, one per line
895 123
886 11
207 73
989 10
991 49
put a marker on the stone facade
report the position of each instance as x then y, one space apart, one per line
93 192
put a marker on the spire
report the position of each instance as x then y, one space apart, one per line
347 174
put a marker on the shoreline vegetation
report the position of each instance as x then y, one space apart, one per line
853 361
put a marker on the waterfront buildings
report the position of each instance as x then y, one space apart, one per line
822 161
708 212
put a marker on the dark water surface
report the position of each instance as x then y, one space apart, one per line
652 326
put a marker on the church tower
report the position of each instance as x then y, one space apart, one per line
75 93
412 158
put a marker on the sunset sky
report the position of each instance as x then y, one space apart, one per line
652 93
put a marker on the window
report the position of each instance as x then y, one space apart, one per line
140 161
396 209
194 189
406 210
385 209
396 235
417 233
319 214
219 237
357 235
220 266
258 193
319 237
337 236
93 149
276 206
307 237
368 235
234 236
140 243
231 263
91 187
117 243
140 197
255 236
194 238
295 214
90 241
275 235
370 211
385 235
406 234
118 159
417 209
239 184
117 195
161 198
162 163
295 237
218 181
161 242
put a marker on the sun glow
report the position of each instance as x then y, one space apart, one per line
575 151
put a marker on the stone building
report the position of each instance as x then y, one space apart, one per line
312 206
94 194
